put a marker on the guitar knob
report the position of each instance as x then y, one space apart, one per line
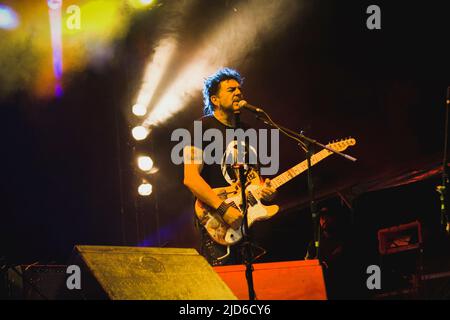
213 224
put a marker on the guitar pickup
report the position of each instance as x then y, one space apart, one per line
251 199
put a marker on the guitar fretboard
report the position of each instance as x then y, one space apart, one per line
298 169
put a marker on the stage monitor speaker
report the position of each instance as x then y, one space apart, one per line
292 280
132 273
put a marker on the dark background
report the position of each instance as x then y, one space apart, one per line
68 170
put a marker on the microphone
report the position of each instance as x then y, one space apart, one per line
249 107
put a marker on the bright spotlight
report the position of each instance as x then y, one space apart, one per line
56 36
139 110
8 18
141 3
139 133
54 4
145 163
145 189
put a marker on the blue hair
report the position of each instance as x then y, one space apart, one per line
212 83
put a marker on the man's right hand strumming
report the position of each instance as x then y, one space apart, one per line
233 217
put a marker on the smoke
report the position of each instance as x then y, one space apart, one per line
227 43
163 53
250 24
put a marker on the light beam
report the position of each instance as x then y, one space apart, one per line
231 40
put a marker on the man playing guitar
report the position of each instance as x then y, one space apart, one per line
221 93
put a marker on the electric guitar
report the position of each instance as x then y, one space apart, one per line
220 231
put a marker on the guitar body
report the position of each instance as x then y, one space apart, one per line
220 231
217 228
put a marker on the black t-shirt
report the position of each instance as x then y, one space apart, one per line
220 172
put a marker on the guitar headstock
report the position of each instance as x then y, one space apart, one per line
343 144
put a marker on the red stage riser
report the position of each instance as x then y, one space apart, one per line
292 280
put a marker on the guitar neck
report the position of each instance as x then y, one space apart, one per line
298 169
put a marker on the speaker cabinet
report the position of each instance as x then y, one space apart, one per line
292 280
131 273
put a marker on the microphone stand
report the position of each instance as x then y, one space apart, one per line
313 251
307 144
442 189
246 248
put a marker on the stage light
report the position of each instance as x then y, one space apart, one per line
139 4
56 36
145 189
139 133
146 2
145 163
54 4
139 110
8 18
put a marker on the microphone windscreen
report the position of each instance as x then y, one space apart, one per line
242 103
